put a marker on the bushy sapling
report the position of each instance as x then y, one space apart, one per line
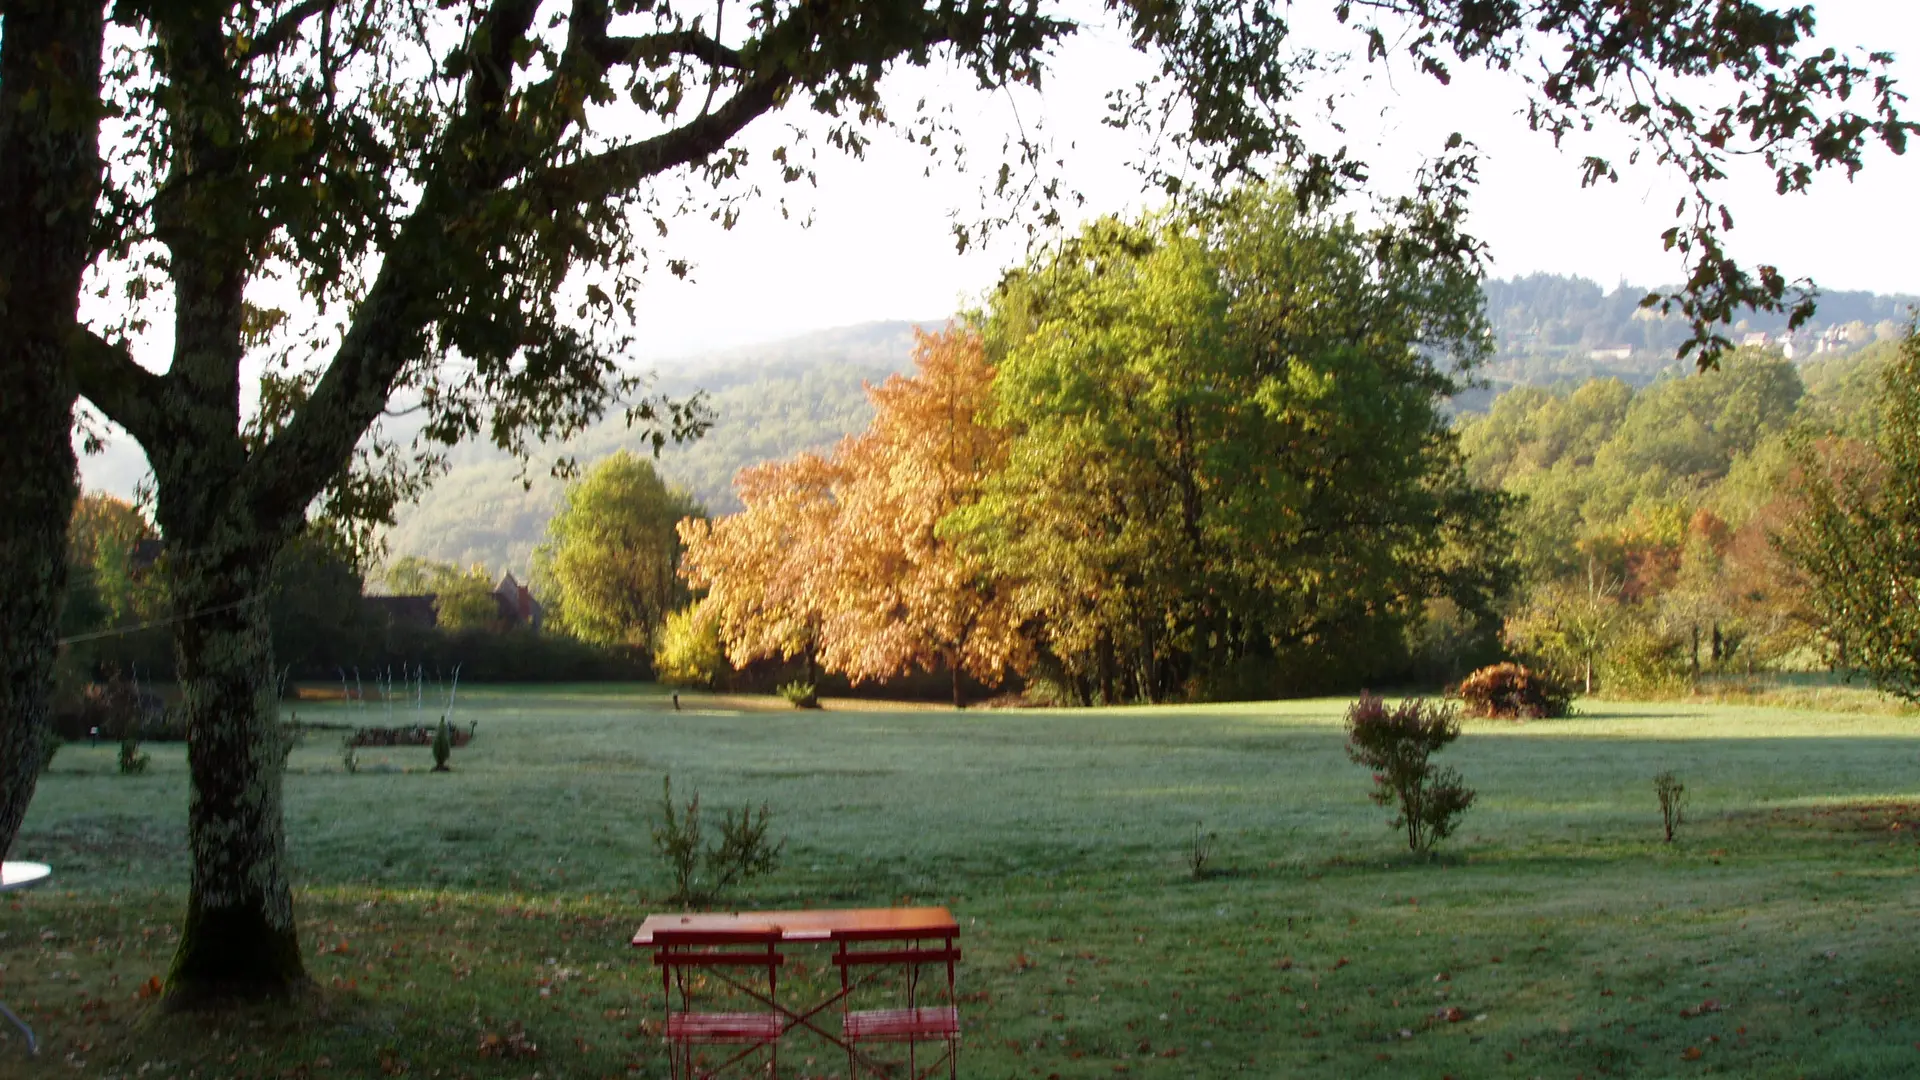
1673 798
442 746
801 695
1396 743
744 851
132 761
1200 851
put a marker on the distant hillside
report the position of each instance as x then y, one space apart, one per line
1551 328
769 401
776 399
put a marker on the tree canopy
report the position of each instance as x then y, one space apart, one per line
609 570
1207 441
1858 539
1226 445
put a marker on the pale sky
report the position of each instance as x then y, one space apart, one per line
880 245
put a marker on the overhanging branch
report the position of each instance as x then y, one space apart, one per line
280 33
616 171
655 49
128 394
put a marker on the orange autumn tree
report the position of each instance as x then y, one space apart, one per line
842 560
764 568
904 594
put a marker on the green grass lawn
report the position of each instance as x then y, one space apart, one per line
1555 936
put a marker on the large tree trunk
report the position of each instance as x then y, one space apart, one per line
49 175
239 940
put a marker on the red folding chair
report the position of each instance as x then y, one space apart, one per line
691 961
917 1023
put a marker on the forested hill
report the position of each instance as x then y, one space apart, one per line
769 401
776 399
1550 328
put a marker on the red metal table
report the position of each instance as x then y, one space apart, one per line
749 939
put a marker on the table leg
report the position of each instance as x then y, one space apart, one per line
33 1044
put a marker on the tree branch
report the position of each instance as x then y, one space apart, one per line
127 393
655 49
389 330
613 172
279 33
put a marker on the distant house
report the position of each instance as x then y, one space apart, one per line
1756 340
1832 339
395 611
1612 352
518 608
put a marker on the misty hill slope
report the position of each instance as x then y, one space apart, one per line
804 393
769 401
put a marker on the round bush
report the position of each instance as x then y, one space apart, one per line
1514 692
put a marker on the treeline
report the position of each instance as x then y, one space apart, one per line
1650 522
118 617
1548 328
775 400
1189 457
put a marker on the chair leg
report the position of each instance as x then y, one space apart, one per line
33 1044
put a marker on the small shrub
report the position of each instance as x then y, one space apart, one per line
442 746
132 761
1514 692
1396 744
1645 661
349 755
1199 852
702 873
1673 799
801 695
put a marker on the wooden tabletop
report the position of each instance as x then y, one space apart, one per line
23 875
854 924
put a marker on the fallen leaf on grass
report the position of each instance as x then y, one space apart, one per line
514 1044
1691 1053
1452 1014
1711 1005
149 989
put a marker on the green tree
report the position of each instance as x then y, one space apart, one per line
105 534
413 575
463 600
609 570
1857 538
1227 445
1571 623
438 176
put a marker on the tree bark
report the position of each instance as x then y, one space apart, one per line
49 180
239 939
953 669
